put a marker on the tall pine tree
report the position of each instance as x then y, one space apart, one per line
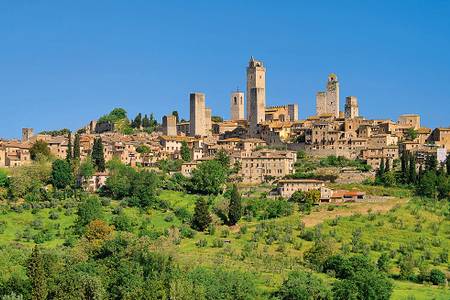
404 166
37 276
447 163
387 167
185 152
145 122
235 207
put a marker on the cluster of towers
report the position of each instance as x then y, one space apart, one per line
254 110
327 103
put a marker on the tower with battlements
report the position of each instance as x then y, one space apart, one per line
197 114
328 102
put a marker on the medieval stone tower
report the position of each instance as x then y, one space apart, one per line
169 125
256 79
237 106
351 107
328 102
27 133
197 114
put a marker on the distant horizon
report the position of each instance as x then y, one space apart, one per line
65 64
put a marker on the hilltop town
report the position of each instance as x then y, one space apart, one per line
263 140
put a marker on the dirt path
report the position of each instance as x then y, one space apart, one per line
381 205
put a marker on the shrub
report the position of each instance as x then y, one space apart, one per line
202 243
437 277
53 215
168 218
303 285
187 232
217 243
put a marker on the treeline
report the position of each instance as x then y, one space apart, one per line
119 118
431 179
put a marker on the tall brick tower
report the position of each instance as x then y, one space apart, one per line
256 79
197 114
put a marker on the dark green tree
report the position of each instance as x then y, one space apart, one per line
364 285
144 186
412 174
145 122
37 275
39 150
185 152
383 262
404 158
447 164
201 218
387 167
223 158
76 147
69 154
175 113
61 174
137 122
235 207
98 157
431 163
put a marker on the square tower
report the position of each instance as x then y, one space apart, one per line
256 78
197 114
169 124
237 106
332 105
351 107
257 109
27 133
208 121
321 103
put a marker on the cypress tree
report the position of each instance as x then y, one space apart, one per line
235 208
381 168
175 113
37 276
201 218
137 122
145 122
412 175
431 163
76 147
69 148
387 167
97 155
404 166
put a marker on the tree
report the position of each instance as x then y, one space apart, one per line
382 167
217 119
61 174
87 169
305 200
201 218
185 152
69 154
36 274
412 174
76 147
39 150
447 163
145 188
431 163
235 207
175 113
383 262
404 166
387 167
411 134
98 157
223 158
208 178
427 185
302 285
145 122
89 210
143 149
137 122
319 253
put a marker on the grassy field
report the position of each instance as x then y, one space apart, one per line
270 248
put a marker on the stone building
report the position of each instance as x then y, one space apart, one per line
256 91
409 121
351 107
169 125
286 187
27 133
237 106
283 113
264 165
328 102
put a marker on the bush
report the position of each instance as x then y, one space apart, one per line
217 243
187 232
168 218
106 201
437 277
3 225
202 243
303 285
276 208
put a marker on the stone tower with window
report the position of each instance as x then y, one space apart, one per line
256 79
237 106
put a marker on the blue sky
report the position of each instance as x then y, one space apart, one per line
63 63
